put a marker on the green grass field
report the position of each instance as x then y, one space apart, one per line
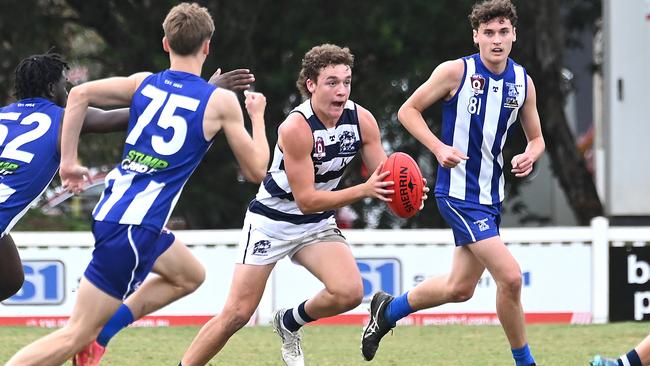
552 345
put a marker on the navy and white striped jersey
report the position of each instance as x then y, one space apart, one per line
476 122
164 144
29 134
274 209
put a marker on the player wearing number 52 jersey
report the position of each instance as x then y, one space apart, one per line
29 149
174 117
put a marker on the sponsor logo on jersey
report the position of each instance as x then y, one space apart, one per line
511 102
478 83
142 163
346 141
8 167
261 248
319 148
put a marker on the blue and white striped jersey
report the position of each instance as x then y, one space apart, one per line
476 122
164 144
29 133
274 209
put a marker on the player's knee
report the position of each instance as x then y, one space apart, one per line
510 284
461 293
197 278
192 279
349 295
237 318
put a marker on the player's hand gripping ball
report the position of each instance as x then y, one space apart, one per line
406 174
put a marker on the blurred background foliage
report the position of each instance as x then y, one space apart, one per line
397 44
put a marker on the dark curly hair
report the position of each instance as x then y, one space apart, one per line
319 57
487 10
35 74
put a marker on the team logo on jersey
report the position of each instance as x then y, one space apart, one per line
482 224
346 141
512 90
261 248
138 162
319 148
478 83
513 93
8 168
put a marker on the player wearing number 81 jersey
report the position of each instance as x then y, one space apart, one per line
482 96
174 117
476 122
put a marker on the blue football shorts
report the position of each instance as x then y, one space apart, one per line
124 255
470 222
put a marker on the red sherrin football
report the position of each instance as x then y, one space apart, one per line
405 172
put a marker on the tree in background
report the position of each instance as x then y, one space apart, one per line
396 45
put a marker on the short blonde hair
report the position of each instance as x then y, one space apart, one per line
187 26
316 59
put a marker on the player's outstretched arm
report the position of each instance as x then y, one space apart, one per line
522 164
104 121
252 152
115 91
442 84
296 141
235 80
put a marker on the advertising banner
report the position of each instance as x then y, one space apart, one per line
556 285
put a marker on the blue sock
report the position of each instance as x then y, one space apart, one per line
522 356
398 308
632 358
122 318
295 318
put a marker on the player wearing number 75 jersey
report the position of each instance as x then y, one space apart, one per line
174 117
29 148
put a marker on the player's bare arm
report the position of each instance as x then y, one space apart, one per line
372 151
103 121
252 153
296 141
115 91
522 164
442 84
